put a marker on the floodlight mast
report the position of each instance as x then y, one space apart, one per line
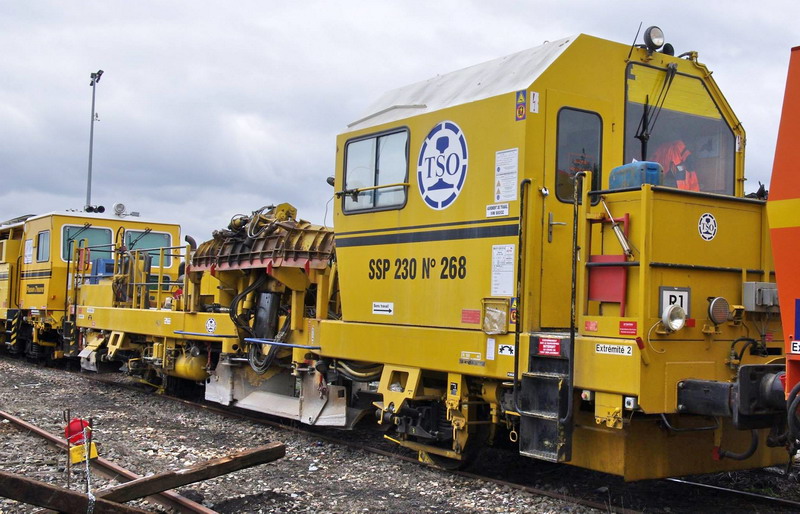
95 79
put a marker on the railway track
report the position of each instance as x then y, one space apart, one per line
607 506
109 470
591 490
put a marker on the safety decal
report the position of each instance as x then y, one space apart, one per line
442 165
506 170
471 316
496 210
549 346
707 226
505 349
627 328
522 107
490 347
168 321
534 103
590 326
211 325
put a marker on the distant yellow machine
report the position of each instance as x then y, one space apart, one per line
45 258
552 248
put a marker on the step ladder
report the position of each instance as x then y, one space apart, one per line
543 399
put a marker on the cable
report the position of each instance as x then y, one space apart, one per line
649 342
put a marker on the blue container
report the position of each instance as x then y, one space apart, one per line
635 174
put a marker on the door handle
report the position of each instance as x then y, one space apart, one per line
550 224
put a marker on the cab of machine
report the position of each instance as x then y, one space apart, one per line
428 182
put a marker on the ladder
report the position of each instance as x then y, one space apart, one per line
543 400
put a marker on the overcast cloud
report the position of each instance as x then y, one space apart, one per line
207 109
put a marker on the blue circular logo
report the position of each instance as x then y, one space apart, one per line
442 165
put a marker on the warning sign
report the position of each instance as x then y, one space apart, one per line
549 346
522 105
627 328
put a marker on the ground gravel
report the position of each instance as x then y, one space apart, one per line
149 434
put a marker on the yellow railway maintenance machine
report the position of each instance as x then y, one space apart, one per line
41 260
553 247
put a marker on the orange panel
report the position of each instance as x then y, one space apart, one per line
785 215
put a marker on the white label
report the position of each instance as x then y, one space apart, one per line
490 349
211 325
385 308
90 310
675 297
506 349
168 321
503 270
613 349
534 102
80 316
28 251
795 346
506 164
496 210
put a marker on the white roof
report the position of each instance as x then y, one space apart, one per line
511 73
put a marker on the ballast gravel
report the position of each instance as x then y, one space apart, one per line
148 434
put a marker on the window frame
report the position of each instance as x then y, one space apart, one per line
376 136
64 250
167 258
627 104
39 246
597 178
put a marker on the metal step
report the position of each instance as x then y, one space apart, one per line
541 414
547 375
541 455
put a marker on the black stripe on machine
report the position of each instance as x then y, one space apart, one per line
433 235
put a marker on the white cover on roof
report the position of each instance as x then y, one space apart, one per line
514 72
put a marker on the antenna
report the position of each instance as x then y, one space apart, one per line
633 45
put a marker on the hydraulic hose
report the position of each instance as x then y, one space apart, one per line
725 454
793 403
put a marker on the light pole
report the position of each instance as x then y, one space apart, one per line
95 79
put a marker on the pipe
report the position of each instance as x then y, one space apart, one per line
725 454
523 186
573 295
191 241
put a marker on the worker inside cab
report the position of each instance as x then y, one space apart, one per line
674 157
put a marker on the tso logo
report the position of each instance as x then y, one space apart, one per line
442 166
707 226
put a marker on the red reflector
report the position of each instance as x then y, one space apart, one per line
690 322
640 343
782 378
74 430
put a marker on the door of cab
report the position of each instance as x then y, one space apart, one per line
577 130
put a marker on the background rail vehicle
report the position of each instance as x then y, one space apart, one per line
499 272
41 257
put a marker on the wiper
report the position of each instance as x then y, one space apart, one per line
648 122
133 243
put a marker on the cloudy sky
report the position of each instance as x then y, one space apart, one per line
207 109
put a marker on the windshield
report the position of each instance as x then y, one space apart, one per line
671 119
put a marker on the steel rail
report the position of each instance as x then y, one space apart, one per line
108 469
604 507
746 494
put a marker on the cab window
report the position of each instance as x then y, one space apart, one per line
97 239
672 119
43 246
145 240
578 149
376 161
